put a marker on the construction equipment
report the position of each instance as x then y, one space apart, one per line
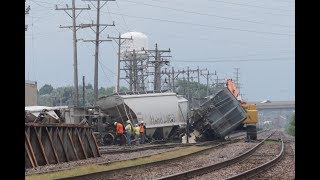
221 115
252 114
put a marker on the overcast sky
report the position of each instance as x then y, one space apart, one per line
220 35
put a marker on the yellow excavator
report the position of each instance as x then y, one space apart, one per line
250 123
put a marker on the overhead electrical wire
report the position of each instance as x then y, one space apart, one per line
205 14
248 5
238 60
203 25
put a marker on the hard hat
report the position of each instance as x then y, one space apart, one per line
115 123
141 121
128 121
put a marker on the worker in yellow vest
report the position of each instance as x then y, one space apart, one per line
136 134
129 131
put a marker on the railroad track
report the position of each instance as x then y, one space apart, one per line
98 175
124 170
124 160
128 149
210 168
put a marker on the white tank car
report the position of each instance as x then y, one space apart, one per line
162 113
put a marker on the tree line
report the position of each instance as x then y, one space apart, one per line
62 96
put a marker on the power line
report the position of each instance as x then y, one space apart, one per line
241 60
242 56
40 4
203 25
239 4
204 14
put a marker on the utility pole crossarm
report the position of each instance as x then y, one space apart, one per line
119 38
97 41
67 8
74 28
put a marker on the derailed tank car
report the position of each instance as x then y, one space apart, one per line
217 117
163 113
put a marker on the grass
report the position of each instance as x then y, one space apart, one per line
269 141
97 168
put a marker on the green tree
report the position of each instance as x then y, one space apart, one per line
291 126
45 89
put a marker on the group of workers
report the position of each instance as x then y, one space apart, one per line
136 133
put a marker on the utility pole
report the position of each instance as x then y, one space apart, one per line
83 93
74 29
158 63
189 111
119 38
97 41
26 11
208 76
198 76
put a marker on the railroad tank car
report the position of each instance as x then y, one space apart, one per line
163 113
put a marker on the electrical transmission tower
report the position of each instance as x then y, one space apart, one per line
74 28
237 77
158 62
119 40
135 68
237 81
97 41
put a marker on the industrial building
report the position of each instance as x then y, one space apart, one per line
31 93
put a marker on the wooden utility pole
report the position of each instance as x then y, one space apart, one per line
97 41
83 92
26 11
119 42
208 76
74 28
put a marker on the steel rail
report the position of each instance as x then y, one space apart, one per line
106 150
255 171
108 172
210 168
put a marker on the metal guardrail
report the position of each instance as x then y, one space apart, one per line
55 143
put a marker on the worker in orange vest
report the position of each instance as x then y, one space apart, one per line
142 131
119 133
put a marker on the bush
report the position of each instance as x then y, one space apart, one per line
291 126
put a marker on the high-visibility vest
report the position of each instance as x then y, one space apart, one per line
137 130
119 128
128 128
141 129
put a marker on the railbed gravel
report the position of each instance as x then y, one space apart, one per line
285 169
265 153
107 158
187 163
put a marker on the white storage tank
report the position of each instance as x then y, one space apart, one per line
139 41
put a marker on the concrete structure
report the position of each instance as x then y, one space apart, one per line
275 105
31 93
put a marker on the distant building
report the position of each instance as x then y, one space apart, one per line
31 93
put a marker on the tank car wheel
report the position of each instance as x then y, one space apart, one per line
108 139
